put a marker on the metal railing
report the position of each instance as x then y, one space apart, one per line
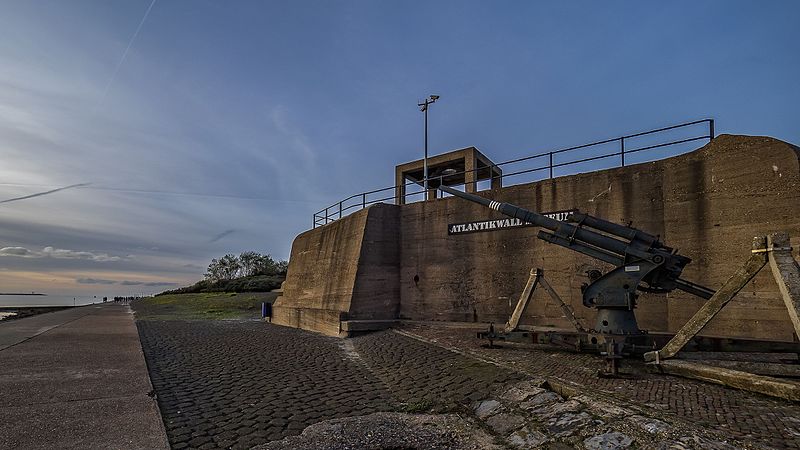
363 199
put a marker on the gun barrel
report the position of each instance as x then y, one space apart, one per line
605 243
507 209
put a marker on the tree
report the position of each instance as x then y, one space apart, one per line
265 265
249 262
230 266
214 272
282 267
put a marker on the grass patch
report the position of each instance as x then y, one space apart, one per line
417 406
203 306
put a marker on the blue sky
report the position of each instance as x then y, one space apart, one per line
229 123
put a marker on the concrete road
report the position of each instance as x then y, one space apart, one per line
76 379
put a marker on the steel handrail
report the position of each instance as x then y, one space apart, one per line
324 216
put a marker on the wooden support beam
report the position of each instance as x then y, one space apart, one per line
568 312
524 299
787 275
758 259
785 389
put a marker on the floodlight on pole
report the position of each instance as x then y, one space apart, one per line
424 108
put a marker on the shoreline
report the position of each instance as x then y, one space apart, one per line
20 312
31 294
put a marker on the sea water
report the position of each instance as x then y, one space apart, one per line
49 300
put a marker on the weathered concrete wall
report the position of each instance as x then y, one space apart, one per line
347 270
708 203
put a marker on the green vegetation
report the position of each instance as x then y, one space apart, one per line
203 306
416 406
257 283
248 272
247 264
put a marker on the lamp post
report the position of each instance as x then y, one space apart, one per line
424 108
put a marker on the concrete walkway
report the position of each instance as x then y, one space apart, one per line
76 379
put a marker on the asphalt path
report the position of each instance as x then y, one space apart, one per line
76 379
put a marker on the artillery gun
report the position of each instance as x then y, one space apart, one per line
642 263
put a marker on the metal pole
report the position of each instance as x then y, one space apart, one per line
424 108
711 129
425 159
622 149
551 164
363 200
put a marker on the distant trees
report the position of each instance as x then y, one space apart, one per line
248 272
247 264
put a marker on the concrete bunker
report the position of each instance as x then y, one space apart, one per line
394 262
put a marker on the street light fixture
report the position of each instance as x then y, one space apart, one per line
424 108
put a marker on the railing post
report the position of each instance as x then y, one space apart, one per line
711 129
551 164
340 210
326 216
622 150
363 200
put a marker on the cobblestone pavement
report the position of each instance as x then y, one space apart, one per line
739 414
224 384
423 376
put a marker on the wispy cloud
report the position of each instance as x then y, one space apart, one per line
39 194
18 251
221 235
95 281
124 282
60 253
127 49
146 283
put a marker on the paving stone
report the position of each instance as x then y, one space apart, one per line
558 408
522 391
198 441
649 425
768 422
527 437
538 400
612 440
486 408
567 424
219 376
504 423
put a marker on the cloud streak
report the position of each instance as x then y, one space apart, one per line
124 282
60 253
127 49
146 283
17 251
221 235
95 281
39 194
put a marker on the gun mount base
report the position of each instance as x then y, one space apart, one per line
617 322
